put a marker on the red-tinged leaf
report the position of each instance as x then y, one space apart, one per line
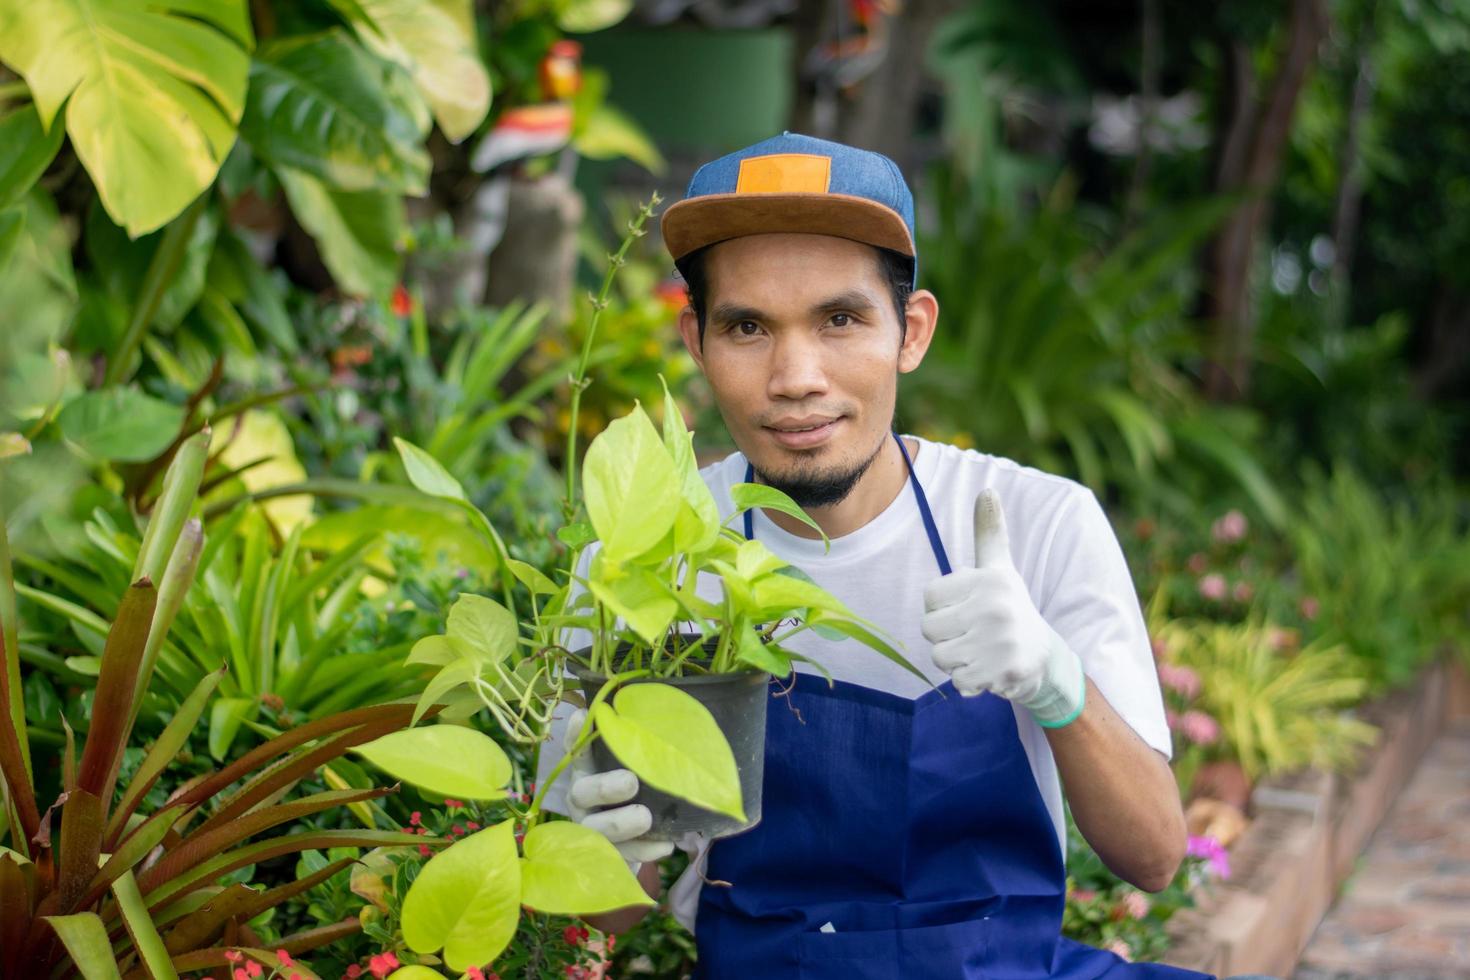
13 767
116 688
279 777
79 847
396 715
175 735
295 944
17 905
203 844
264 850
244 905
148 835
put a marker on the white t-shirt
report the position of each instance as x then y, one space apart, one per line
1063 547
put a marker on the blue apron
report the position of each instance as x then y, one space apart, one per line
914 827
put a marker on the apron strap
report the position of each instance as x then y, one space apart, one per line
935 544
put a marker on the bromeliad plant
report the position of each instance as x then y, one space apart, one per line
93 886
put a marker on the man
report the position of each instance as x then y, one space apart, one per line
909 830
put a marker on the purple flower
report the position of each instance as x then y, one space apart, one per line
1212 851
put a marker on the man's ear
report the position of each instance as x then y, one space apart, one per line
689 331
921 318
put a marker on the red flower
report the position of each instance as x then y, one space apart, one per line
254 969
353 972
415 818
234 955
401 304
611 941
454 804
285 958
574 935
241 974
475 973
472 825
424 850
456 829
381 964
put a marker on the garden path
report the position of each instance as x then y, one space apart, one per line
1405 911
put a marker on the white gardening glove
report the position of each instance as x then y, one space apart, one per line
988 636
624 825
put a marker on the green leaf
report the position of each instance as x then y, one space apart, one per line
482 628
635 594
531 577
435 41
868 637
26 150
777 596
577 535
85 938
754 559
12 225
323 106
586 16
570 869
435 651
630 487
697 525
750 650
445 759
467 899
607 133
146 939
225 717
357 231
427 473
121 424
152 93
673 743
747 496
415 972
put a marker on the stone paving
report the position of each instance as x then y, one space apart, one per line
1405 911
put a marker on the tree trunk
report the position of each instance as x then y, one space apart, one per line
1350 166
1250 162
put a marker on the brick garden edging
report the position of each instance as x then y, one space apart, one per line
1307 831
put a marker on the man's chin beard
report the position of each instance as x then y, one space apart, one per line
810 487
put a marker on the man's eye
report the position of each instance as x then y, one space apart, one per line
747 328
841 319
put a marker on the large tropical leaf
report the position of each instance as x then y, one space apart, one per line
322 105
357 231
153 92
435 41
26 148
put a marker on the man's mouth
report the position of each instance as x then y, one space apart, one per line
803 433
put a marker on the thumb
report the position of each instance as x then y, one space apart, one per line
992 542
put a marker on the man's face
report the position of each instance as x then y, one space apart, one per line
802 349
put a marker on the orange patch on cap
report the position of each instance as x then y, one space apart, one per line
784 173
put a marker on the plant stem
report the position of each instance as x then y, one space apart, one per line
161 270
579 382
584 737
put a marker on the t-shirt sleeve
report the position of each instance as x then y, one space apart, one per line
1090 600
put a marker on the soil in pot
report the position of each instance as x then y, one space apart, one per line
738 704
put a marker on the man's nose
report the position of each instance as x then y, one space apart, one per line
798 369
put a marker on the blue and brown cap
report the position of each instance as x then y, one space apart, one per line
794 183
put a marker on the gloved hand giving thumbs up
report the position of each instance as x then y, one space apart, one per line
988 636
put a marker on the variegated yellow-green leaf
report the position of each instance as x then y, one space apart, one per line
444 759
435 41
673 743
697 525
482 628
635 594
153 92
466 900
570 869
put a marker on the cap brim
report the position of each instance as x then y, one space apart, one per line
699 221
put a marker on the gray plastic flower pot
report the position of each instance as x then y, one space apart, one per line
738 704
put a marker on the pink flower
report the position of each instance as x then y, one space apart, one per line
454 804
1212 851
424 850
1199 728
285 958
475 973
470 824
234 955
241 974
1135 904
1310 607
1119 948
1212 586
1160 647
1243 592
382 964
1084 895
254 969
1230 528
415 818
1171 718
1181 680
1282 639
1197 563
353 972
